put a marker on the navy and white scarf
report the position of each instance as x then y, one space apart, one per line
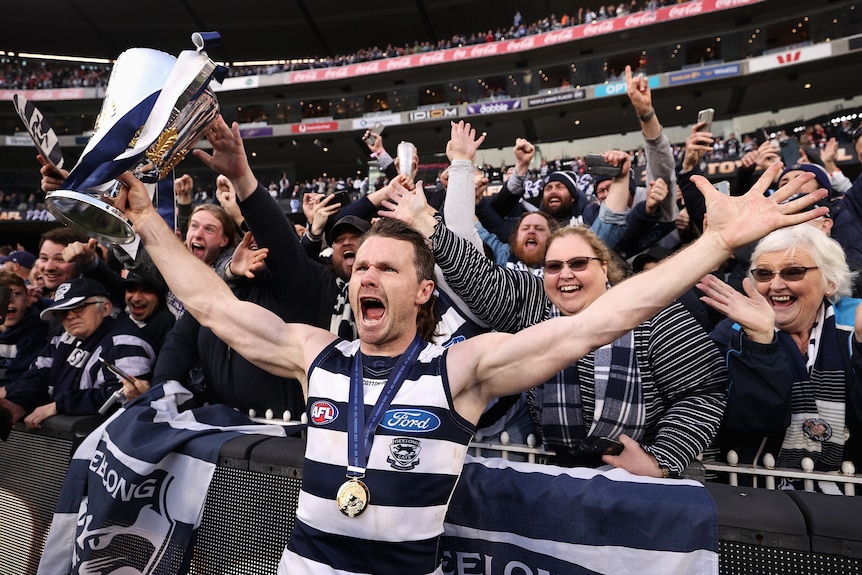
817 416
520 266
619 403
342 323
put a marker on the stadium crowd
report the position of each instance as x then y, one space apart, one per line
505 263
90 327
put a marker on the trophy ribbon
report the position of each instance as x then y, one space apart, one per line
353 495
179 89
40 130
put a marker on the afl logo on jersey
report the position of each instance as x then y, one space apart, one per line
323 412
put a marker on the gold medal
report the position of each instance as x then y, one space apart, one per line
352 497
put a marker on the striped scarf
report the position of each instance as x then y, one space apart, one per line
520 266
817 418
341 323
619 405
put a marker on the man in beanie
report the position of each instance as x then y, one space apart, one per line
563 198
821 177
67 376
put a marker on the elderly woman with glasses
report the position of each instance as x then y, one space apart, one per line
793 352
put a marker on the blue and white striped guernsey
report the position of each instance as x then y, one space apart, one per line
415 462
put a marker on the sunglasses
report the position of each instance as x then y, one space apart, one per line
77 309
553 267
790 274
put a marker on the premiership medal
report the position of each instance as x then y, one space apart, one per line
352 497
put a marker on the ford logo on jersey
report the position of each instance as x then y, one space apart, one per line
323 412
417 420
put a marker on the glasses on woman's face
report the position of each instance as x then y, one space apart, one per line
553 267
789 274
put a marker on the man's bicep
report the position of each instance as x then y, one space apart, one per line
491 364
262 338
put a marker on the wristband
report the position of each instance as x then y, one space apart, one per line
311 237
227 273
648 116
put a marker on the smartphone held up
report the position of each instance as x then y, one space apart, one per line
598 166
377 128
705 117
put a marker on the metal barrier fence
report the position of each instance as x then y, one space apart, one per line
767 476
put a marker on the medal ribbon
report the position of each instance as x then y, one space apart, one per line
359 435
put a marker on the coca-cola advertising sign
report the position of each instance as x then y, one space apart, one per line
50 94
599 28
527 43
685 10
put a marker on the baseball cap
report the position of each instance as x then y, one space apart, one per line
20 257
71 294
354 223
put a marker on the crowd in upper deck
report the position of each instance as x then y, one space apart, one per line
32 74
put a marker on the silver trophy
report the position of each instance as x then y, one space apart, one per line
156 108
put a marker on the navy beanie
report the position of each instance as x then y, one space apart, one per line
569 179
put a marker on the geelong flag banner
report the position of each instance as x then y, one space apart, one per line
520 518
135 490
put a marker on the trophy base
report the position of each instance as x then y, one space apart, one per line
90 215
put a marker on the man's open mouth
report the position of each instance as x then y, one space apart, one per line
373 309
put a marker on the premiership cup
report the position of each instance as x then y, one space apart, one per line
156 108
